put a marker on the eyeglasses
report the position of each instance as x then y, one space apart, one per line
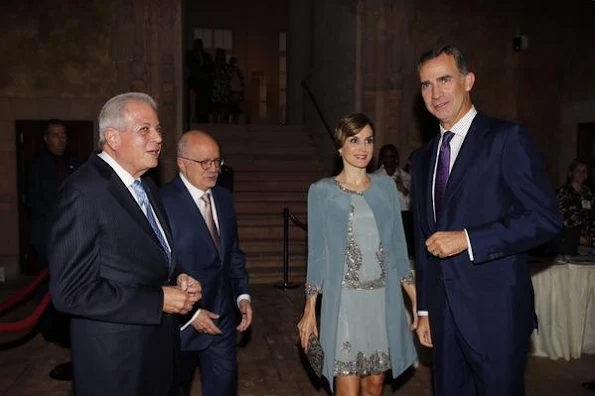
206 164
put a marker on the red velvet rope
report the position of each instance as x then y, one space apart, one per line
26 292
28 322
31 320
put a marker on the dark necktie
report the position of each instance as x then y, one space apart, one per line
442 172
210 219
143 200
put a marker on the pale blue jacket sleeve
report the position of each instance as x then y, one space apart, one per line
316 246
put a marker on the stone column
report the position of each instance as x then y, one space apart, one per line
154 29
383 58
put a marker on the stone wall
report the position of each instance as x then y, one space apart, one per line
332 73
65 59
549 87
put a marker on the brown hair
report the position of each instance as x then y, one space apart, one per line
453 51
350 126
574 165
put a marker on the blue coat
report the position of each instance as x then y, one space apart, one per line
107 269
328 219
499 192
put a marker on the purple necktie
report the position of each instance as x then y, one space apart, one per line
442 172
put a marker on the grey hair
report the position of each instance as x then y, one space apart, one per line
112 112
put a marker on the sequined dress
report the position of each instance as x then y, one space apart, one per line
362 342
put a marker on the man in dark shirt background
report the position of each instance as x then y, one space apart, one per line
48 170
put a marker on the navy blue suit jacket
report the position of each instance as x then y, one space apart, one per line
499 191
222 274
107 269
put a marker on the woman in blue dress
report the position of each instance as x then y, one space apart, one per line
357 262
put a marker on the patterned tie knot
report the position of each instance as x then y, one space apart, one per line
139 189
206 198
447 137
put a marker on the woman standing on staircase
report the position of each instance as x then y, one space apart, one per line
357 259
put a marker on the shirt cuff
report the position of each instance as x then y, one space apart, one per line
469 248
243 297
422 313
191 320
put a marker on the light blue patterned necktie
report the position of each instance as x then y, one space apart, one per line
139 189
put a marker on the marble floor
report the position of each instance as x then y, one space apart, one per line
270 361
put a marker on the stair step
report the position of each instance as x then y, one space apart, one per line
232 151
268 219
270 196
268 247
264 165
270 232
268 278
271 175
276 259
243 208
270 272
297 186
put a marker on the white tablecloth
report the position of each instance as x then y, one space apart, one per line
565 306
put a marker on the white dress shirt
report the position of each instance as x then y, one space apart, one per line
197 194
128 179
460 130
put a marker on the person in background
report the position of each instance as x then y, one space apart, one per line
577 202
389 164
357 260
200 80
48 171
221 84
236 93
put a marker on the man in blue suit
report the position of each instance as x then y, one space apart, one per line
481 199
112 266
203 220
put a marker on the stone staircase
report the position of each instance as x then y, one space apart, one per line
273 167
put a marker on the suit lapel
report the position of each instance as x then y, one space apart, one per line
224 223
431 157
467 155
123 196
192 207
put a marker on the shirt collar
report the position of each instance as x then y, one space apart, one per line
122 173
462 126
195 192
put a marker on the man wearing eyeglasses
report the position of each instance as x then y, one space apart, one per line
203 220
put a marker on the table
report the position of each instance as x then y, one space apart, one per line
565 306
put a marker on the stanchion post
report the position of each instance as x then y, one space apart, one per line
285 283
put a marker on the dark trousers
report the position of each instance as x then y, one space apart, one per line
407 217
460 370
218 366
